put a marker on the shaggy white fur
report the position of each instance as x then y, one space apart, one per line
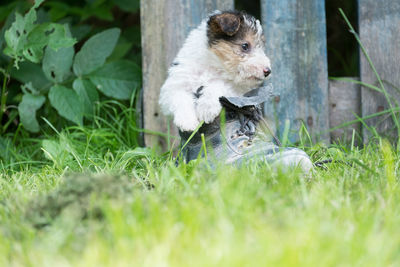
202 71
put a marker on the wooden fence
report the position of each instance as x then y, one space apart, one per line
296 43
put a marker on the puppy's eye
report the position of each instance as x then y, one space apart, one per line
245 46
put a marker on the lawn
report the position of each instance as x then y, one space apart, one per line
86 197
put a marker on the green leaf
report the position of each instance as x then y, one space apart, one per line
57 64
16 35
16 38
61 37
29 86
96 3
95 51
37 3
121 49
54 35
57 10
67 103
31 72
102 12
118 79
27 111
80 31
87 94
128 5
54 151
7 24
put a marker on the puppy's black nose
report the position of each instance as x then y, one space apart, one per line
267 72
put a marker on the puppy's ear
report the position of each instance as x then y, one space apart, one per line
225 23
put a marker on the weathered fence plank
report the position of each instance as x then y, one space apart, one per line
296 43
379 25
165 25
344 102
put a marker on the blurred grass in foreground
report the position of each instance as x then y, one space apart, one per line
135 207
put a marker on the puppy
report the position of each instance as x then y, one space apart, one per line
224 56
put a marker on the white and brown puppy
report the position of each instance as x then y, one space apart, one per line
224 56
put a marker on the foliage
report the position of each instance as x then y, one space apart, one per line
51 75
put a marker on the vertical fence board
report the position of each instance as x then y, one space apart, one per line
344 102
164 27
295 34
379 24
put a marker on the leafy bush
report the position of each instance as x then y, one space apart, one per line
47 72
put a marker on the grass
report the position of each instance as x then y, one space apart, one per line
87 197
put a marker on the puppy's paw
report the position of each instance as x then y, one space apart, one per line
185 122
208 111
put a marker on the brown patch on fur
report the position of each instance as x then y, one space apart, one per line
224 26
229 54
225 23
251 39
232 26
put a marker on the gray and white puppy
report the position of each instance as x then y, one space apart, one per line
223 56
